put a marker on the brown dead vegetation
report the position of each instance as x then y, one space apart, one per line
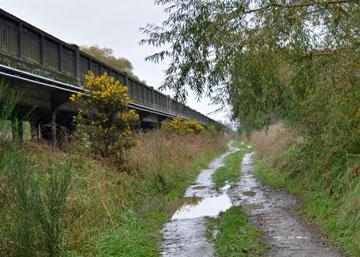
271 141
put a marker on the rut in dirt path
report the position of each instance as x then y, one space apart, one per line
271 211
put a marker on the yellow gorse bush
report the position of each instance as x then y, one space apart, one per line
183 127
104 120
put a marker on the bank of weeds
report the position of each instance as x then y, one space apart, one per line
118 212
328 188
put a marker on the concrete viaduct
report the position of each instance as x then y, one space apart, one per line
48 70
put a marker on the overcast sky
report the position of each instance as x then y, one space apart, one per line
107 23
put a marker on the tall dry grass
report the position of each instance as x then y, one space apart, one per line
270 142
105 201
157 171
161 152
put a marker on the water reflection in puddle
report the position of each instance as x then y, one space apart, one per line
199 187
291 237
254 206
226 187
191 201
249 193
207 207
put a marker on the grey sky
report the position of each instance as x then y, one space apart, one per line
108 23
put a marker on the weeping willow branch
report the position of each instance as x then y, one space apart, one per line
289 6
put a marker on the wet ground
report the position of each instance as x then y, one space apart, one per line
184 234
271 211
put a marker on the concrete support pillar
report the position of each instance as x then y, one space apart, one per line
44 124
35 130
17 129
53 127
56 102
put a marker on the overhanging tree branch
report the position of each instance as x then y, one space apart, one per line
288 6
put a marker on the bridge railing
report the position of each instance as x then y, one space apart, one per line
28 48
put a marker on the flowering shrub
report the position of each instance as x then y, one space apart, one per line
104 120
183 127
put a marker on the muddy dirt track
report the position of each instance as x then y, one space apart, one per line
184 234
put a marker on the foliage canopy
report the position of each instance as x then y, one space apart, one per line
295 61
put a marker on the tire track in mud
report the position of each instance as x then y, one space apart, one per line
271 211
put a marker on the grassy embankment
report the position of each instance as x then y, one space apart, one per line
107 212
231 231
329 188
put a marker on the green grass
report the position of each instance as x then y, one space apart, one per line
236 237
132 237
6 130
140 232
230 172
110 212
32 204
240 143
272 178
338 215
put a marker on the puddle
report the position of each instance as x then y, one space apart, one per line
291 237
207 207
300 237
192 201
254 206
181 202
198 187
249 193
226 187
214 233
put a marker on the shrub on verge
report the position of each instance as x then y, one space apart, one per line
104 120
183 127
